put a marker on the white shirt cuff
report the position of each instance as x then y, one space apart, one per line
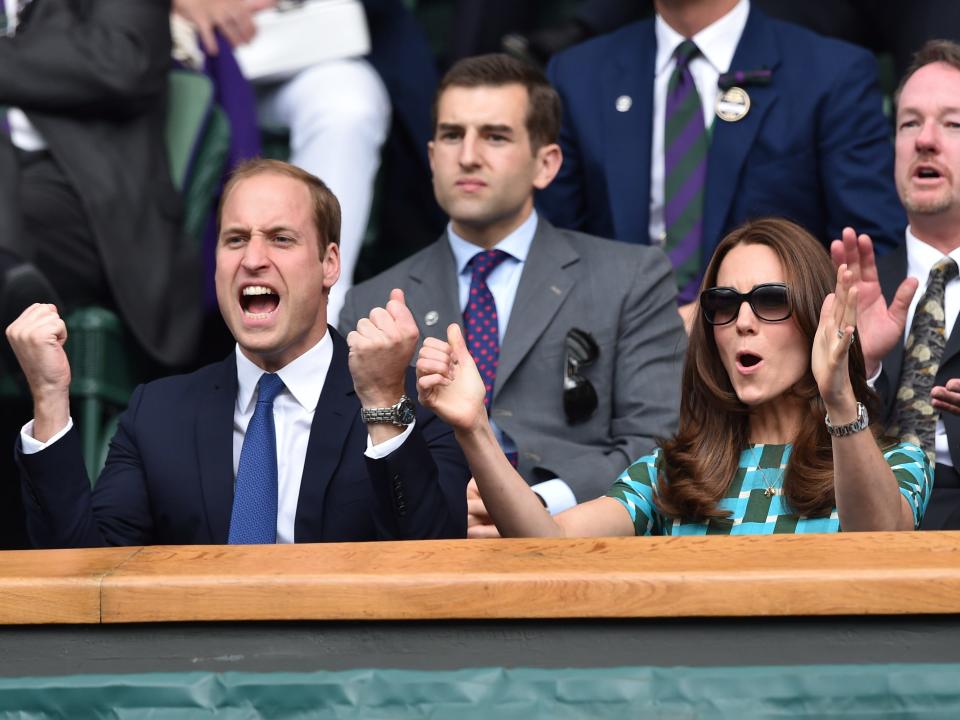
871 381
30 445
556 494
378 452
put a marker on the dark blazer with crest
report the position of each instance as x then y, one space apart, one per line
91 75
623 295
169 476
944 501
814 146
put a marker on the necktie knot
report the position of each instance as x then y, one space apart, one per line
270 386
944 271
685 52
485 262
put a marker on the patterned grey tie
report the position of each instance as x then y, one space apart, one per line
916 418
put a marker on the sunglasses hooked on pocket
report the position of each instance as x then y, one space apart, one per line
579 395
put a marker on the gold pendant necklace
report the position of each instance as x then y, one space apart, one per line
771 487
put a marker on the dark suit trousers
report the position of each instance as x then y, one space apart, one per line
943 510
51 230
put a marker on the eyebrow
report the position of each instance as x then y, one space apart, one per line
488 128
243 229
909 110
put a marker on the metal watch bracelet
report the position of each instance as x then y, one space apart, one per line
850 428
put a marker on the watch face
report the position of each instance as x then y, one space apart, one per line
405 411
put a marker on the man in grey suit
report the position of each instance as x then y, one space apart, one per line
578 338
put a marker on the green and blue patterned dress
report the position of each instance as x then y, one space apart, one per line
754 498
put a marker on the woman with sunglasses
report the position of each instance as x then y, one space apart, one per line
774 435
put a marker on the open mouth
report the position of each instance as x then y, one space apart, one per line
748 359
259 301
926 172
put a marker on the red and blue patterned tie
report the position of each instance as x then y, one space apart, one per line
480 318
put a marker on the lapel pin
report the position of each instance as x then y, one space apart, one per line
431 318
733 104
624 103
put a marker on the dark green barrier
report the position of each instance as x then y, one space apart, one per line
818 691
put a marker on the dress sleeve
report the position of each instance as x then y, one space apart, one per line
914 476
635 488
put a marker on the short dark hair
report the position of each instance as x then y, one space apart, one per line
498 69
326 207
933 51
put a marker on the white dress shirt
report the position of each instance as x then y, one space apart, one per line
921 258
293 412
503 282
718 43
22 132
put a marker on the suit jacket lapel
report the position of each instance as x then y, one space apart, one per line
433 288
332 421
731 141
953 344
545 283
630 134
214 433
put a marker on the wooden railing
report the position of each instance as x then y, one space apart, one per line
795 575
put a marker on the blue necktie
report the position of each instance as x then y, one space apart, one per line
254 518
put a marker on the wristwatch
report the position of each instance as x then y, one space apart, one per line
850 428
401 414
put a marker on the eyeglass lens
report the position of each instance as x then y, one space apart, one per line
579 395
769 302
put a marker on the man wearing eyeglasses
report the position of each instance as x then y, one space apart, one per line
909 300
577 339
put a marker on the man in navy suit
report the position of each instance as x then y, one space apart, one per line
340 473
809 143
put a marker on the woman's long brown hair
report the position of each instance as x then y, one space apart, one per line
701 460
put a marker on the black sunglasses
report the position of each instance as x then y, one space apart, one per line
769 301
579 396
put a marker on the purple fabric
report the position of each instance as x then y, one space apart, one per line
684 252
234 95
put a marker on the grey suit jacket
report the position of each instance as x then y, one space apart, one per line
624 295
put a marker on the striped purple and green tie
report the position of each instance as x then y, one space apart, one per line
685 172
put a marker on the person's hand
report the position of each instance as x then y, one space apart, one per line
881 327
37 338
479 524
381 349
946 397
448 382
831 345
233 18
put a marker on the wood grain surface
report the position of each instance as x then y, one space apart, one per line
876 573
790 575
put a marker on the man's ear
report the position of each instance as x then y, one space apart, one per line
549 160
331 265
430 146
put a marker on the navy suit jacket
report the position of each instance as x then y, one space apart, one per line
169 476
814 147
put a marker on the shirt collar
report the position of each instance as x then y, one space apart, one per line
921 257
516 244
303 377
718 42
